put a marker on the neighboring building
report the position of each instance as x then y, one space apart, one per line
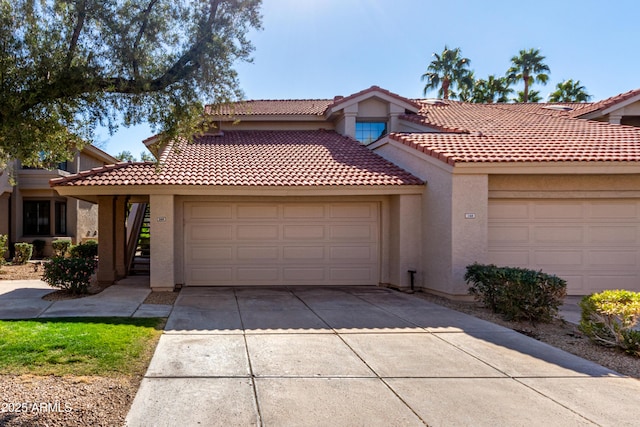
360 190
33 210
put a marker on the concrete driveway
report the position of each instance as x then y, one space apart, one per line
362 356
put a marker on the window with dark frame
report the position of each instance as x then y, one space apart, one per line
61 218
36 217
367 132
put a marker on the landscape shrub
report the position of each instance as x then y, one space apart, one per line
516 293
60 247
4 247
70 274
38 248
609 318
23 253
88 249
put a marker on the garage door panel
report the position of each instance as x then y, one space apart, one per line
354 232
558 210
513 258
515 234
257 211
295 253
592 244
258 253
209 232
304 232
210 253
218 211
257 232
282 243
304 274
558 259
348 253
508 210
253 274
613 210
352 211
613 258
613 234
304 212
564 235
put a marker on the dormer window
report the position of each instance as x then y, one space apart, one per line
369 131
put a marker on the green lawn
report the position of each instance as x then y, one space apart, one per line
78 346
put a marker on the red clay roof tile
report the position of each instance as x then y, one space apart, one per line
256 158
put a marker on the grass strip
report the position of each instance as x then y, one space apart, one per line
78 346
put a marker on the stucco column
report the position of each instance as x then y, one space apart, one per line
469 226
120 237
350 123
106 240
405 239
161 230
615 119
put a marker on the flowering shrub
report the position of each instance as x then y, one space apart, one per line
516 293
60 247
88 249
23 253
70 274
609 319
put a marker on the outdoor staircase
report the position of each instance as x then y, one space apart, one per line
138 247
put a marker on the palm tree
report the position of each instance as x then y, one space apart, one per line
493 89
532 96
569 91
528 67
446 70
466 88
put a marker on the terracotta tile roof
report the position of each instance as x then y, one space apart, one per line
256 158
605 103
340 100
266 107
504 133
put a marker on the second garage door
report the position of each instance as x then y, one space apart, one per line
593 244
281 243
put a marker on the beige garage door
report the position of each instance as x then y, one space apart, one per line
281 244
593 244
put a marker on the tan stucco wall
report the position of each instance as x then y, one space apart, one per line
373 109
404 239
161 230
450 239
564 186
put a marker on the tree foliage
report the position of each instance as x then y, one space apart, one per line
67 66
493 89
569 91
528 67
448 70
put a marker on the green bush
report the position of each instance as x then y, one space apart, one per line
516 293
608 318
38 248
88 249
70 274
23 253
4 247
60 247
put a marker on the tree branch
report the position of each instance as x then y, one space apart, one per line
82 15
136 43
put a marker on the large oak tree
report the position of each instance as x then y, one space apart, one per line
68 66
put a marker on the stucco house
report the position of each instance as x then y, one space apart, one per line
363 189
30 209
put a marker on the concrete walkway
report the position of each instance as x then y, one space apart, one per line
362 356
22 299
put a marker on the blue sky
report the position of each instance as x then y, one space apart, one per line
323 48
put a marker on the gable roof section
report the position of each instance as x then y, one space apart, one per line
256 158
603 106
340 103
275 107
501 133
